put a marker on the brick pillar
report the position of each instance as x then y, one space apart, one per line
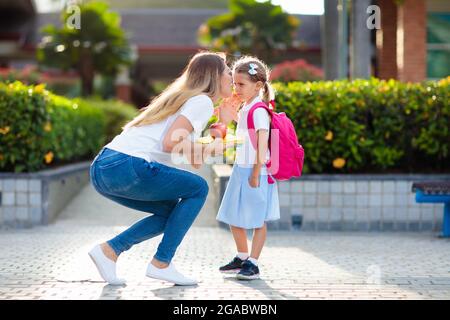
123 92
412 41
123 85
386 39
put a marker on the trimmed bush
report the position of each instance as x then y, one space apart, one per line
38 128
117 114
296 70
370 126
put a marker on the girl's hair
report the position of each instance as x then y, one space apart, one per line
262 73
201 76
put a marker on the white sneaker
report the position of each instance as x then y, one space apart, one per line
106 267
169 274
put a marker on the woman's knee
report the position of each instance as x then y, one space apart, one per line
203 187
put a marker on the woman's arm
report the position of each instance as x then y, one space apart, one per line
261 151
176 141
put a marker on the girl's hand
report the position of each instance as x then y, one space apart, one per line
227 111
254 181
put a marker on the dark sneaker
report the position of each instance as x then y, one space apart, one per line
248 272
232 267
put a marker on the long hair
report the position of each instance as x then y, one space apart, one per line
242 65
201 76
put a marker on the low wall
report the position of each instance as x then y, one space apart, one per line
350 202
29 199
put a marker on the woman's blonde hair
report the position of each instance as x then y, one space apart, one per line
201 76
242 65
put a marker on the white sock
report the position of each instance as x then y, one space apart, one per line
242 255
253 260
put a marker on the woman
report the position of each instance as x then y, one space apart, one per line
140 167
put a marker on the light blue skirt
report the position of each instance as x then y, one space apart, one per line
246 207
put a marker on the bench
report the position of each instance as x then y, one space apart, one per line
435 192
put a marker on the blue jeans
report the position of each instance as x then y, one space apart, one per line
173 196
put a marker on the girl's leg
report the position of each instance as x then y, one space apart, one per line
259 237
240 238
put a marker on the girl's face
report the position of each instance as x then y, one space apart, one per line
245 89
226 83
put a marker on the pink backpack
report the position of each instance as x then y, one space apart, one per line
286 154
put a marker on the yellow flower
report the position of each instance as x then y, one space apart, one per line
48 127
39 88
444 81
338 163
49 157
329 136
203 30
1 157
383 88
4 130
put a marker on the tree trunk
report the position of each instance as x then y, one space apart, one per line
87 73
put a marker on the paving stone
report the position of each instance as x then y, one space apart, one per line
51 262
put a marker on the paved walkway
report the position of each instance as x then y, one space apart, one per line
51 262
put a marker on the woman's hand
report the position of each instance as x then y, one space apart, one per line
253 181
215 148
227 111
196 165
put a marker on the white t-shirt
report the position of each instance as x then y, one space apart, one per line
146 141
246 153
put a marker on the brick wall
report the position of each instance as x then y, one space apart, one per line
401 43
387 41
411 47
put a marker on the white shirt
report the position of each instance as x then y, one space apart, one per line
246 153
146 141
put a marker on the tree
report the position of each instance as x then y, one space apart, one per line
97 45
250 27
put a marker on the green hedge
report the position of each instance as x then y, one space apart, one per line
370 125
38 128
117 114
344 126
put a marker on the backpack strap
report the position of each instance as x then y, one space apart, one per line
251 121
251 129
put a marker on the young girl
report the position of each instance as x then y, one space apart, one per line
249 200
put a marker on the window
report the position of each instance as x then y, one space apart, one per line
438 39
